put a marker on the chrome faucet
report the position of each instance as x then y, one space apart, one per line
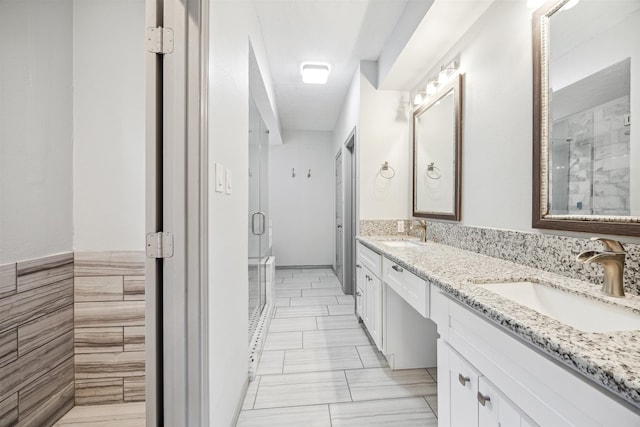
421 226
612 260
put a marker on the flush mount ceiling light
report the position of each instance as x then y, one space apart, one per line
314 73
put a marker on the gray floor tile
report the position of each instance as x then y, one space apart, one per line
326 285
290 324
371 357
302 311
250 397
293 285
407 412
349 321
330 300
383 383
433 403
321 359
281 302
302 389
285 293
309 416
341 310
284 341
345 299
334 291
271 362
301 279
434 373
335 338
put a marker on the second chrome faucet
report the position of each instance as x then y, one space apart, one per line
612 260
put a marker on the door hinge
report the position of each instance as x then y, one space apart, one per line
159 245
159 40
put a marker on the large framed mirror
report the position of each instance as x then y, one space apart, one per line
437 141
586 88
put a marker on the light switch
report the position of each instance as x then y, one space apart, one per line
228 185
219 178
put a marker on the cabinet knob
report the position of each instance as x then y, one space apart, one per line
463 380
358 294
397 268
358 266
483 399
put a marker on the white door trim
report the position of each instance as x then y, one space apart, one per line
177 353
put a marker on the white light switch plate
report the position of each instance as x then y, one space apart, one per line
219 178
228 186
400 226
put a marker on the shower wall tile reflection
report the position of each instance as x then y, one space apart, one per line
590 152
36 340
109 327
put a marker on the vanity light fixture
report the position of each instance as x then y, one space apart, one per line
446 72
315 73
568 5
419 98
432 88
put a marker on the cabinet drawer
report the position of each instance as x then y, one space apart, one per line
410 287
370 259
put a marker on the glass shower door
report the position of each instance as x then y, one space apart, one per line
259 241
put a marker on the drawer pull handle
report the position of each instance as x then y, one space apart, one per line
398 269
483 399
358 294
463 380
358 266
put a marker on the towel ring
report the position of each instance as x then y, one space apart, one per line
386 168
433 171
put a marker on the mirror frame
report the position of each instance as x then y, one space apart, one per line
454 84
540 216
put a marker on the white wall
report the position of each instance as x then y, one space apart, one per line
301 208
109 144
384 135
35 129
495 55
232 25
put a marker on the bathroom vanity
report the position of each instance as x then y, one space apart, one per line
501 362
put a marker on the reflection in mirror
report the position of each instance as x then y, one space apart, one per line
586 80
436 155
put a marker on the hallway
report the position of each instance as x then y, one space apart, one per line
318 367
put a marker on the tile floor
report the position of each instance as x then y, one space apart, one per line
120 415
318 367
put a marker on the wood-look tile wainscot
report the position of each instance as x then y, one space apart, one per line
109 327
36 340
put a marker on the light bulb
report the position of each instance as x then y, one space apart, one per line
432 88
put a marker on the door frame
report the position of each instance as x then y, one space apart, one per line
350 206
335 211
176 202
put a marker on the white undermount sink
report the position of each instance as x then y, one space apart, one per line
400 243
574 310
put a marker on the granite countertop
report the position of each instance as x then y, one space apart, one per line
610 359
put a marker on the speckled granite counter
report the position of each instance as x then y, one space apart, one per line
611 359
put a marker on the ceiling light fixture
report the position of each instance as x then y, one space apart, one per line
314 73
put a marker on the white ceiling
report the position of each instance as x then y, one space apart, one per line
338 32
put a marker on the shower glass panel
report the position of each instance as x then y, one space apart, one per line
258 219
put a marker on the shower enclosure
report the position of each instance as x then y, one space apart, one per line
258 218
589 161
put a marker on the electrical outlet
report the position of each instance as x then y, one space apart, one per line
400 226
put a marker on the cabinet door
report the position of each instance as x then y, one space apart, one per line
374 296
463 386
361 286
495 410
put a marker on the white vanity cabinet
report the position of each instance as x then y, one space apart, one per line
523 387
472 399
369 292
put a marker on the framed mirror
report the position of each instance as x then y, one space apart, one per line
586 88
437 141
